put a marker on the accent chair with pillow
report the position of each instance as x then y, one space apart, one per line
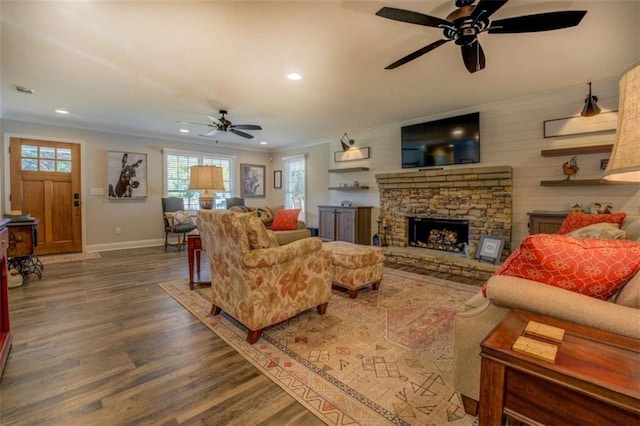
176 221
254 279
593 280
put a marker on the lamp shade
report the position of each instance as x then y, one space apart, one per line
624 163
206 178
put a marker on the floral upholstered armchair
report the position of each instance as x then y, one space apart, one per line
256 281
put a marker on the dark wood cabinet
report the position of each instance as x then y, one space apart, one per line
545 222
350 224
5 331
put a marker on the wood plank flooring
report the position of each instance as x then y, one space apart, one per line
97 342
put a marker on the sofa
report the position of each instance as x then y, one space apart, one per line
254 279
267 214
620 314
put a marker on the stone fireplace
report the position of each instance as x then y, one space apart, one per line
481 197
438 234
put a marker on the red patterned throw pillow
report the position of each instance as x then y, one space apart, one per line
574 221
593 267
285 220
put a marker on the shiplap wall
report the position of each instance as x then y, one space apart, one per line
511 133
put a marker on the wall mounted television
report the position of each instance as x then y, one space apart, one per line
453 140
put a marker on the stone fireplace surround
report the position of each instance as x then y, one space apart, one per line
481 195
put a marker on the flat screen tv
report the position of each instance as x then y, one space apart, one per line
453 140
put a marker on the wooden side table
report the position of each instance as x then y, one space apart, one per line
194 250
545 222
594 380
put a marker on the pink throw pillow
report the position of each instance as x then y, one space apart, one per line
593 267
285 220
574 221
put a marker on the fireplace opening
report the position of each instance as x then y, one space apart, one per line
438 234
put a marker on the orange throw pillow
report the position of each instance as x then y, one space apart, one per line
593 267
574 221
285 220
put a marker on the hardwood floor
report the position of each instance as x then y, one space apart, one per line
97 342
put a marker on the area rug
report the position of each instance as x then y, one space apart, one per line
71 257
382 358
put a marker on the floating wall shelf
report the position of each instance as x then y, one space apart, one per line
581 182
595 149
349 169
348 188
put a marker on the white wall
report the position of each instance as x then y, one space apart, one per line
140 220
512 135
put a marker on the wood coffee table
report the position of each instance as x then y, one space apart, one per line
594 380
194 250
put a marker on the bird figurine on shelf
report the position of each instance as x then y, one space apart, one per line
570 167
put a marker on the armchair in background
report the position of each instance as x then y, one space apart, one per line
234 201
176 221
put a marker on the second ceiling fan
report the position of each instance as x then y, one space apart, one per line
222 124
465 23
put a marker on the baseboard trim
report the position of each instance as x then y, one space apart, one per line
125 245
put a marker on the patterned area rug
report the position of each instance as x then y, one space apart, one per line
71 257
383 358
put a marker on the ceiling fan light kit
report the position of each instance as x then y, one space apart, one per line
590 107
465 23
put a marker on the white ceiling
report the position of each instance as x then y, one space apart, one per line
142 66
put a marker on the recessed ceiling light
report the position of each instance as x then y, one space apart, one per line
62 111
294 76
263 143
184 131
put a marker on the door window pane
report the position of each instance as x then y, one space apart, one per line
63 166
63 154
29 164
47 165
29 151
47 152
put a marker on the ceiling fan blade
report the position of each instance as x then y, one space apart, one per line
410 57
486 8
195 124
214 119
536 23
412 17
245 126
211 132
243 134
473 56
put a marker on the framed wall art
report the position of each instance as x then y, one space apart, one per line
252 180
126 175
351 154
490 248
277 179
603 122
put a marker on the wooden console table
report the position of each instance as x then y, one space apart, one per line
595 379
5 330
545 222
194 250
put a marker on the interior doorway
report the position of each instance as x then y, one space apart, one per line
46 183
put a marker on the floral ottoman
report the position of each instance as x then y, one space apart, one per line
354 266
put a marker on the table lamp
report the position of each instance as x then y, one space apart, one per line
207 179
624 163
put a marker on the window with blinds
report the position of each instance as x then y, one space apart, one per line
176 177
295 184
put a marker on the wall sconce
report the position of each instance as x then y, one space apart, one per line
346 142
590 108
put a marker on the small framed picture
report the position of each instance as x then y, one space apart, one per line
252 181
277 179
490 248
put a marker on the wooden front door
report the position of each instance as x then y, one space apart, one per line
45 182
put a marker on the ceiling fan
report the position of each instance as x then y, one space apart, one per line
465 23
222 124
